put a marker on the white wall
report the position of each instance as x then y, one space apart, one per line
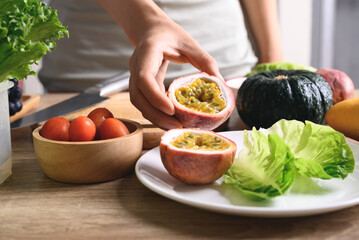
32 84
295 18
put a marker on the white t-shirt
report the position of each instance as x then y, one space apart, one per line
98 48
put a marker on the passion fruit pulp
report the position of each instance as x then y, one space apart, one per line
196 141
201 101
201 96
195 156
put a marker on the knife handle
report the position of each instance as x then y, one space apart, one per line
116 83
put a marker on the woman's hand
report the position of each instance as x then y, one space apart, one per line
162 43
158 40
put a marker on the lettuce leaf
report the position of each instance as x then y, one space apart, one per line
263 169
263 67
28 30
266 166
319 151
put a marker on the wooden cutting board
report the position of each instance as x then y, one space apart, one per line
29 101
120 105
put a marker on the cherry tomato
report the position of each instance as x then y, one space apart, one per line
112 128
56 128
98 115
82 129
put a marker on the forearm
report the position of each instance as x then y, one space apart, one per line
263 21
134 16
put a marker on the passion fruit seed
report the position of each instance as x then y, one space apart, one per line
201 96
200 142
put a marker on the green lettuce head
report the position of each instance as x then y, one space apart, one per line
267 165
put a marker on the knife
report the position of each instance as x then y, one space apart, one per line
88 97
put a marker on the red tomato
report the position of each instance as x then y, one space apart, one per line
112 128
98 115
56 128
82 129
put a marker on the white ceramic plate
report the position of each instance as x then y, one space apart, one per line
234 84
320 196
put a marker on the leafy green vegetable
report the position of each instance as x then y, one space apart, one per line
268 167
263 67
319 151
263 169
28 30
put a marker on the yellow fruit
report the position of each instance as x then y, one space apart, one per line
344 117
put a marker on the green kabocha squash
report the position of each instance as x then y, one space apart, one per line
266 97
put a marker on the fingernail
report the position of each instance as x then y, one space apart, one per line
169 109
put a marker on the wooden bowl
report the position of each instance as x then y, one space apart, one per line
92 161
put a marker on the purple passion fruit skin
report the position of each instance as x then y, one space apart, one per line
195 156
341 84
201 101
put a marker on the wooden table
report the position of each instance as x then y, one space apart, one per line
32 206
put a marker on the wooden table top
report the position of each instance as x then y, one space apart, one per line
32 206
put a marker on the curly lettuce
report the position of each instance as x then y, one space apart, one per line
28 31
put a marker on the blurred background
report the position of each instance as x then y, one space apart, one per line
320 33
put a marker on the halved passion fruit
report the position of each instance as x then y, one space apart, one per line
201 101
195 156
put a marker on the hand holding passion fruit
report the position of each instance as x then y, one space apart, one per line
158 41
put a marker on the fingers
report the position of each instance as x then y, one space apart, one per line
151 113
147 73
148 66
161 75
189 51
201 60
147 91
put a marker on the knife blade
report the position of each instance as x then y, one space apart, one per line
89 97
